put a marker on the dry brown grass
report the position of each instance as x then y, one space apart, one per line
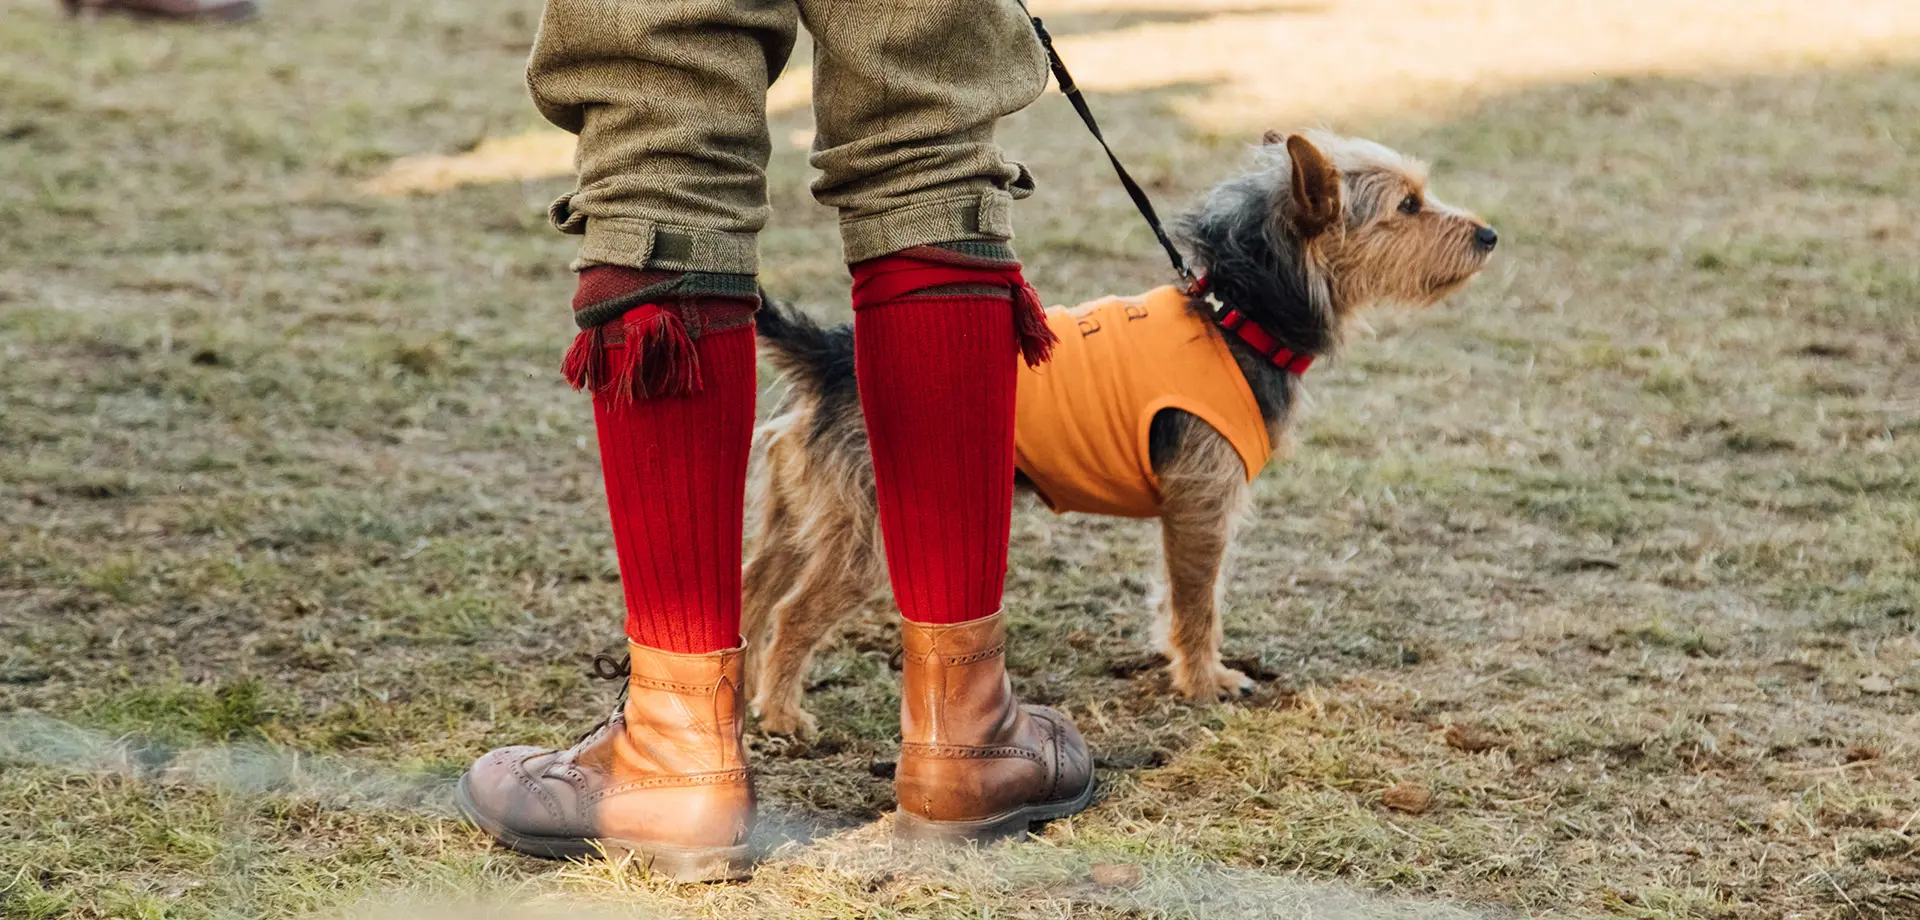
1615 557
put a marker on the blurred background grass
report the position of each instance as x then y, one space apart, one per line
1615 555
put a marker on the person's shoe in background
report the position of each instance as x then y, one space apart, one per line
173 10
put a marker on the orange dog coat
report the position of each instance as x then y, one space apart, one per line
1081 419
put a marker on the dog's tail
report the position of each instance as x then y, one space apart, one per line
814 358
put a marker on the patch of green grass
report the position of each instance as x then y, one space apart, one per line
26 900
1690 642
239 709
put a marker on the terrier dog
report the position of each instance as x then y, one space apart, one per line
1164 405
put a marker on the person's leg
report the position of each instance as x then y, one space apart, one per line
906 99
668 97
669 100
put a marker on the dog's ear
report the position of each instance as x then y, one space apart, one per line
1315 189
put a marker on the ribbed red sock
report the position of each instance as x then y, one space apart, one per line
935 348
675 461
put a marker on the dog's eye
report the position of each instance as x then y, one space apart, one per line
1410 205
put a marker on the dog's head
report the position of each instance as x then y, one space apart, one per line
1362 215
1327 226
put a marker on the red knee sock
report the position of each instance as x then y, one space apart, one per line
673 380
936 335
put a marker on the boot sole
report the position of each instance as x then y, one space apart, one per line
915 829
680 864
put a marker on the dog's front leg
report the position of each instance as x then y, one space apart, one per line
1203 494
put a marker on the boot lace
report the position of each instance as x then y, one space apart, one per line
606 668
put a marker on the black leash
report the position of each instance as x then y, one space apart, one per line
1134 191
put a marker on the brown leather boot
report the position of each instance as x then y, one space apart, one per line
182 10
974 763
664 779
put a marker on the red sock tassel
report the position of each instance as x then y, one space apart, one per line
641 326
585 365
1030 326
659 360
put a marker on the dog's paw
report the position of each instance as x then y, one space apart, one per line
1211 682
791 721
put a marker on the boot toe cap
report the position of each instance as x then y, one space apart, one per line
1074 764
501 791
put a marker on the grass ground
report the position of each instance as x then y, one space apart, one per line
1615 556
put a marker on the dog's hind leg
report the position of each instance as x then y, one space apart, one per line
776 558
839 576
1204 492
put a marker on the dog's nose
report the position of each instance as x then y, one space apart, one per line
1485 238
